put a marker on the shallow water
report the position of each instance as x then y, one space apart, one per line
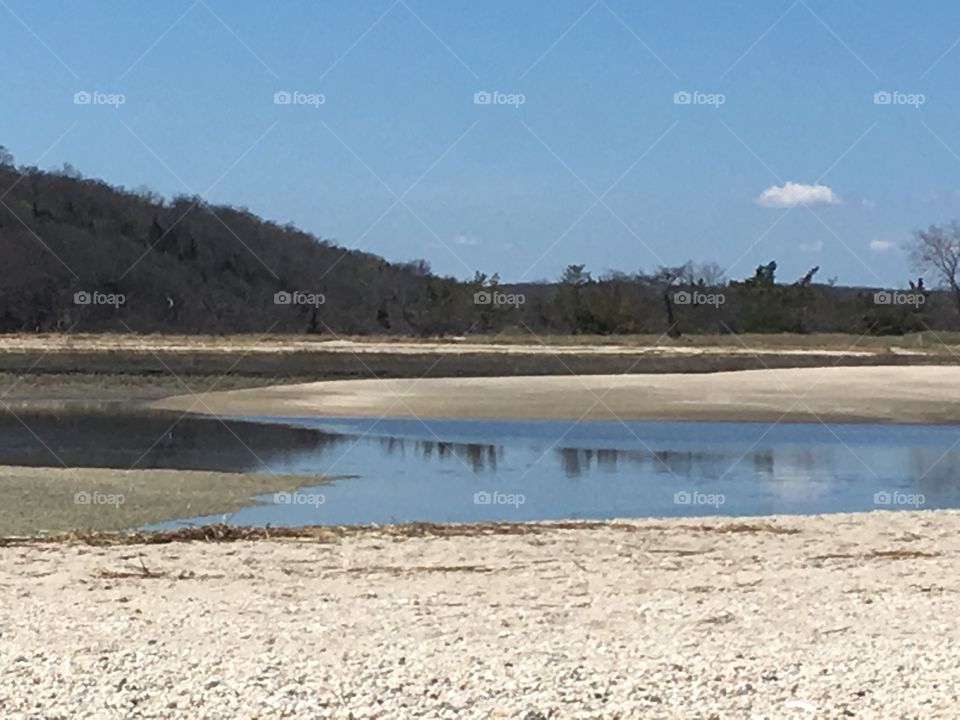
396 470
467 470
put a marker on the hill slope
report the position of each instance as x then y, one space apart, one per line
183 266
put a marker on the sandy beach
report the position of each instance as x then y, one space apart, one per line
898 394
779 617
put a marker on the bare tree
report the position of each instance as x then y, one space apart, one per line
665 279
709 274
937 249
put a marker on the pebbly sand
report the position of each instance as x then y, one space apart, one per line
781 617
895 394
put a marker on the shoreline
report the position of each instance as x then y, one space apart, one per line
879 394
219 533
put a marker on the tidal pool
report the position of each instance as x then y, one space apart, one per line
401 470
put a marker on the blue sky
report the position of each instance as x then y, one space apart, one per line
598 165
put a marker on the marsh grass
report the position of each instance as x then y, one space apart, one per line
42 501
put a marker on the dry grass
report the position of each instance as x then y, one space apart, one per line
145 364
285 343
738 527
222 532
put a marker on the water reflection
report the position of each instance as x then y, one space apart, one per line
108 438
681 463
411 470
126 439
479 457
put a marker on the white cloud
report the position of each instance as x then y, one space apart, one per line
791 194
466 240
815 246
880 245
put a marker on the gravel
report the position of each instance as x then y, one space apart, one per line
783 617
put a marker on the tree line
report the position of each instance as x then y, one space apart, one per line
185 266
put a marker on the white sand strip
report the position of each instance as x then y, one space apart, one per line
907 394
